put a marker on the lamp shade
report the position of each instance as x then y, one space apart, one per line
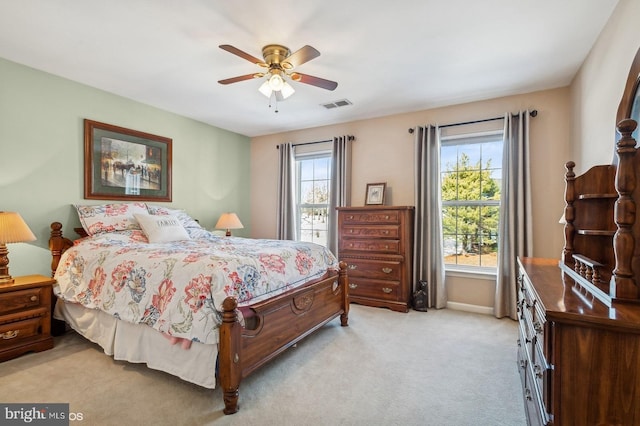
229 221
13 229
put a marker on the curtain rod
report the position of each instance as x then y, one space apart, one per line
315 142
533 113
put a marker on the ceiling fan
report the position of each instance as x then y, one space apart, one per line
279 63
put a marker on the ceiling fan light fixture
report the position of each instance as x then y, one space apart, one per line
287 90
276 82
265 89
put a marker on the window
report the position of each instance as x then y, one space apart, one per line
313 178
471 179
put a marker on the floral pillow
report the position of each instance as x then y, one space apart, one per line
186 220
110 217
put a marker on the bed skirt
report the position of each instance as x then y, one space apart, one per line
141 344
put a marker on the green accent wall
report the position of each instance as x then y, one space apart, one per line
42 157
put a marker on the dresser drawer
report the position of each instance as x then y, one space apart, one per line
371 231
20 300
13 332
363 245
378 269
377 289
378 216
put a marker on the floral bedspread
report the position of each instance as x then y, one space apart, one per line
178 288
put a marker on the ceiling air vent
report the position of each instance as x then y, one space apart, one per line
336 104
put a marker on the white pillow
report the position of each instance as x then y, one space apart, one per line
162 229
186 220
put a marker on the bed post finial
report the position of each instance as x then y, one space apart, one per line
57 245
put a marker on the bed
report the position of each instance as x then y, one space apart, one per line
148 284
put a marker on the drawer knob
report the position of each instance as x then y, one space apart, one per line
351 231
386 290
33 298
387 270
10 334
353 285
385 232
386 247
349 217
352 267
386 217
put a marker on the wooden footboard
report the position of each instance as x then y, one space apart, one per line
276 324
280 323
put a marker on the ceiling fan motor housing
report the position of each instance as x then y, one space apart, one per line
275 54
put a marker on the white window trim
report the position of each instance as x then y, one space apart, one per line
463 271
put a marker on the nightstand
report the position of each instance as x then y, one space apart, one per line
25 316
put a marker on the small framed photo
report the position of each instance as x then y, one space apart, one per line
375 194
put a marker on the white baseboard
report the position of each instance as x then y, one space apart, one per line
486 310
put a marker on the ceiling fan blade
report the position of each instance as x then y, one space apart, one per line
300 56
240 78
314 81
243 55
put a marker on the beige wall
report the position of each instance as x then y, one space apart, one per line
597 88
574 123
383 152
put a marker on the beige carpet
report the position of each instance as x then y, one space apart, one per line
442 367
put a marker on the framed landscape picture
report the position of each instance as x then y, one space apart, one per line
125 164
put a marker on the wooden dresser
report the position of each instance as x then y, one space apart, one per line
377 244
578 357
25 316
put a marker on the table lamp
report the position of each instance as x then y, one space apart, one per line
12 230
229 221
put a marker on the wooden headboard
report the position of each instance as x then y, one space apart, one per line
57 245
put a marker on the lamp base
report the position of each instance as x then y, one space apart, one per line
6 279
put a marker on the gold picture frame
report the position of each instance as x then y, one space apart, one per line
375 194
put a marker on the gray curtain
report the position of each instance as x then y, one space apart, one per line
428 258
515 228
340 185
286 227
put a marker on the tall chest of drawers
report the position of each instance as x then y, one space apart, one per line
377 244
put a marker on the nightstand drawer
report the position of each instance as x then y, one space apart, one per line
20 300
378 269
16 331
378 289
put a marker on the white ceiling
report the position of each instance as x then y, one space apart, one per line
388 57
